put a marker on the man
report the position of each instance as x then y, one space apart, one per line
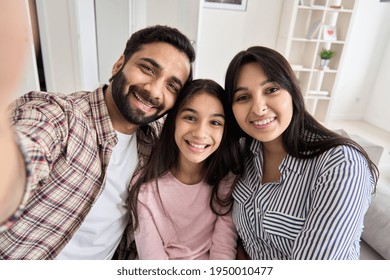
81 150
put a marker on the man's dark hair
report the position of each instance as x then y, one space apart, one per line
159 33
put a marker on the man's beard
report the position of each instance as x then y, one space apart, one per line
121 99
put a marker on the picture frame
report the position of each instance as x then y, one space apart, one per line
238 5
329 33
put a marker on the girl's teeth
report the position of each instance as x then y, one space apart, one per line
198 146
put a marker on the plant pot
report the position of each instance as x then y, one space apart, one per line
324 63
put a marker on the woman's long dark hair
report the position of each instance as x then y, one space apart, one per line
305 137
165 154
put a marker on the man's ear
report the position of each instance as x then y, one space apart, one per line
118 65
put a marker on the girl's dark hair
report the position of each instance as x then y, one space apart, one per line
165 153
305 137
159 33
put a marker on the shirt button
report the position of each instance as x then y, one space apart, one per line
258 210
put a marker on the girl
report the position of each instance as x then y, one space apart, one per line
305 189
184 192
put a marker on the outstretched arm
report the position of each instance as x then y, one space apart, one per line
13 48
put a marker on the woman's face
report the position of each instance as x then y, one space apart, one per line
262 108
199 128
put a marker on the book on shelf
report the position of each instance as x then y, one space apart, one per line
314 29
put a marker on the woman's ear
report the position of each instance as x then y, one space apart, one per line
118 65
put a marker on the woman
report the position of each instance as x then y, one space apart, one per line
182 199
305 189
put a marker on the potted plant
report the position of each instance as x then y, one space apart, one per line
325 56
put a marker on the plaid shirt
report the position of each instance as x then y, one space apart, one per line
67 141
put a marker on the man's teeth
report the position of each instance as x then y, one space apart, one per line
147 104
197 145
263 122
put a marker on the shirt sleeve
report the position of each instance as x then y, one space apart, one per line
36 124
224 238
340 200
147 238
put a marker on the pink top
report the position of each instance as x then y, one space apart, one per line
183 226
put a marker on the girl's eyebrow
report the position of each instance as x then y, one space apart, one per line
196 112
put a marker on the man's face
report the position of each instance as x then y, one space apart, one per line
148 84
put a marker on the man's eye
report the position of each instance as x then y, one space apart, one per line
146 69
173 88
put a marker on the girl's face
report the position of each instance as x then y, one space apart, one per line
262 108
199 128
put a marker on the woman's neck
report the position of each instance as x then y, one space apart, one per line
273 155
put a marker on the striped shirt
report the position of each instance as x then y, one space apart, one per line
315 211
67 141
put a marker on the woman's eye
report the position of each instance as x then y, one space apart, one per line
272 90
241 98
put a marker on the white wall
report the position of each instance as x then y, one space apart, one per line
378 109
363 57
113 24
223 33
68 41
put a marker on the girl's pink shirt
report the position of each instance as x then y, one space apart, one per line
183 227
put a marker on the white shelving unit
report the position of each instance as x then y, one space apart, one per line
301 38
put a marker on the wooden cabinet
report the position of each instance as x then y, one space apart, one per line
307 27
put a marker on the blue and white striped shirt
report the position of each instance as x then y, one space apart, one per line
315 211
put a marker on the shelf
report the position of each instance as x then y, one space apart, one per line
301 38
323 8
317 41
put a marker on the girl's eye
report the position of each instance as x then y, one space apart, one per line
216 123
189 118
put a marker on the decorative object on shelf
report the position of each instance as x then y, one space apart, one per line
325 56
329 33
239 5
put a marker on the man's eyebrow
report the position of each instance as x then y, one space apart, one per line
159 67
152 61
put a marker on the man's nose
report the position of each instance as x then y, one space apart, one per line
156 89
